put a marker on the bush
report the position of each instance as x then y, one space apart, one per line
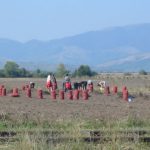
127 74
61 70
84 70
142 72
2 74
12 69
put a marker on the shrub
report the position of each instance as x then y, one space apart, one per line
142 72
84 70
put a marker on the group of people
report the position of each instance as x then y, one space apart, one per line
51 83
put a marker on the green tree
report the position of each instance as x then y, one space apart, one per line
61 70
142 72
84 70
37 73
40 74
11 69
24 73
2 74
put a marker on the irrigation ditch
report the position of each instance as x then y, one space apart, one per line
88 136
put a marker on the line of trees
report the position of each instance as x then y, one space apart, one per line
12 69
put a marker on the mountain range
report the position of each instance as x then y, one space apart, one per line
124 48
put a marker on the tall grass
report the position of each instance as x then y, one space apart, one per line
70 134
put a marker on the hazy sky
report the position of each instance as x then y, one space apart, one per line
24 20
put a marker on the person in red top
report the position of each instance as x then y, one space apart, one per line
54 82
67 83
51 82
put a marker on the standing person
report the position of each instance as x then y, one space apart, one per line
54 82
49 83
90 85
67 78
67 83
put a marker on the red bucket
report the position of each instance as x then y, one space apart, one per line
115 89
107 91
76 94
53 94
28 92
85 95
125 95
3 91
61 95
69 95
40 94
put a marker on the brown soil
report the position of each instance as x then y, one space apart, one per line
98 106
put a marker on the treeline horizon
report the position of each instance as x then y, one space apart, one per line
12 70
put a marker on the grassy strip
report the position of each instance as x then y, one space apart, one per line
74 129
67 125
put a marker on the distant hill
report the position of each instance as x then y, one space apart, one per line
113 49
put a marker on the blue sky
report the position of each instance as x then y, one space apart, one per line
24 20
